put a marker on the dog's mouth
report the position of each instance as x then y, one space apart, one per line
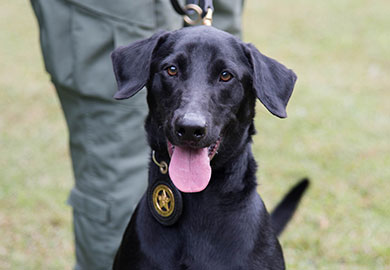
189 168
212 149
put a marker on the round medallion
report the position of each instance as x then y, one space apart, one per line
163 200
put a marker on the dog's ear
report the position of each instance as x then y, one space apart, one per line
132 65
272 81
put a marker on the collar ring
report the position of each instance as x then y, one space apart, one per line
162 165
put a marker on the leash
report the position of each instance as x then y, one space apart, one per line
202 9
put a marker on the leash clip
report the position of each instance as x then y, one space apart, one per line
192 7
202 10
208 19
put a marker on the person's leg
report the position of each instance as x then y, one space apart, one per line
109 155
228 16
107 141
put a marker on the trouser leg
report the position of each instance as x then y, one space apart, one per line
228 16
109 155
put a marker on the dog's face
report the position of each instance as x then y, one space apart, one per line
202 87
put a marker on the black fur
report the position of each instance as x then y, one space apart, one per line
283 212
226 226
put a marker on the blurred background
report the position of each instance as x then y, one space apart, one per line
337 133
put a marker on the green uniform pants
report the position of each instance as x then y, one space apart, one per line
107 141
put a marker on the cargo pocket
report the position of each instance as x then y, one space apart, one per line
91 207
96 242
93 31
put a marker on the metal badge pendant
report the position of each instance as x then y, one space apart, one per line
165 202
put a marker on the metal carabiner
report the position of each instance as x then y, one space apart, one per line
207 19
204 14
198 10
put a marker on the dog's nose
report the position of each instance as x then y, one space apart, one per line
190 128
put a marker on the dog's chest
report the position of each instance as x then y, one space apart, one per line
211 252
205 238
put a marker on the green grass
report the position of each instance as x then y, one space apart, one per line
35 175
337 133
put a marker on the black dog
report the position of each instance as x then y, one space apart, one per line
205 214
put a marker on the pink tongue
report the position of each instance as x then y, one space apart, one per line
190 169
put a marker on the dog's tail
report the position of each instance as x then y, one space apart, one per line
283 212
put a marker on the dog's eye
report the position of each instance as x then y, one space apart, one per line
225 76
172 71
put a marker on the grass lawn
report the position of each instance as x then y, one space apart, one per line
337 133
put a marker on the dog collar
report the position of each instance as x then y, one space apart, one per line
164 199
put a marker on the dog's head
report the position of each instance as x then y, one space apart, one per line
202 86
